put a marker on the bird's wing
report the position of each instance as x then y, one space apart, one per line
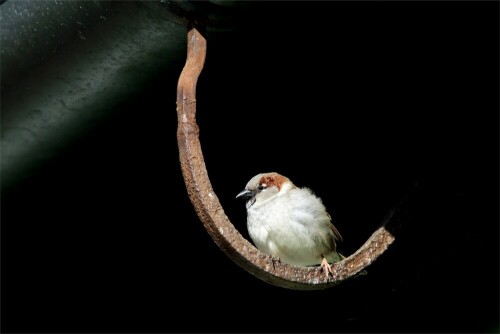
305 203
336 232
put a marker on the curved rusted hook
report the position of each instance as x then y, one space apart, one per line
212 215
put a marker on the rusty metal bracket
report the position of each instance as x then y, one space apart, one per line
216 222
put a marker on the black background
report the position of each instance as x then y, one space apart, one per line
359 102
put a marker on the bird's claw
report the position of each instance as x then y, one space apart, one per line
325 266
274 260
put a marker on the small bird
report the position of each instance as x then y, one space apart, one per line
290 223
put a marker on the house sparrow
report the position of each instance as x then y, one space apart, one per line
290 223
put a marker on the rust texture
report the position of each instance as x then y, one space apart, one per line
211 213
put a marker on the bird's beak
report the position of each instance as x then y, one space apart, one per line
245 194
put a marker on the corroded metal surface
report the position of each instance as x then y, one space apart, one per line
212 215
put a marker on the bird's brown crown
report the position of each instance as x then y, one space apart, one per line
273 179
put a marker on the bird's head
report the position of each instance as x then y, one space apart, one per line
263 187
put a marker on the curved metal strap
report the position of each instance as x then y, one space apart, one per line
212 215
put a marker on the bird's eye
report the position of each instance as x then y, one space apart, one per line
260 187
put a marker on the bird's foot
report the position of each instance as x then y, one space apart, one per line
325 266
274 260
